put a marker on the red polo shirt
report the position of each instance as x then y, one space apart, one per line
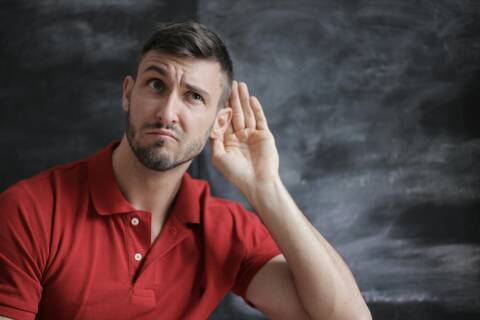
72 247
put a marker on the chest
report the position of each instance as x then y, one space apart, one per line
108 268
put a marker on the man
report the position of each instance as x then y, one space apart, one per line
128 234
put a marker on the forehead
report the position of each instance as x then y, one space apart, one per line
195 71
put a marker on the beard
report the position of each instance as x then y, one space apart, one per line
153 157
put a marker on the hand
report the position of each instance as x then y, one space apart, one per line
246 154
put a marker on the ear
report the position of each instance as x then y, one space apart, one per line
127 88
222 121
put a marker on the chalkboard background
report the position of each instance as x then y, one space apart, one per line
374 106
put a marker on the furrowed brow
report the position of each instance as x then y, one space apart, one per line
189 86
198 90
157 69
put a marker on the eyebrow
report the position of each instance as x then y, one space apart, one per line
157 69
189 86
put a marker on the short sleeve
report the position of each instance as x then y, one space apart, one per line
259 248
21 262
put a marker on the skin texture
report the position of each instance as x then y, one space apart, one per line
155 84
149 155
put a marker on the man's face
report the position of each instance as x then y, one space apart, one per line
172 107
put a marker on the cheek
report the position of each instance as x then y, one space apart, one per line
142 110
195 124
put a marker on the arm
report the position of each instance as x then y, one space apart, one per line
22 253
310 277
324 284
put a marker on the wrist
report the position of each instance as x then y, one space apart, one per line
263 192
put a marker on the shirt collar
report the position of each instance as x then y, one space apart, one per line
107 198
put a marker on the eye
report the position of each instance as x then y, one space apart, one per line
196 97
156 85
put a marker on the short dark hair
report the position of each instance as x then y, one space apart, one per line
192 39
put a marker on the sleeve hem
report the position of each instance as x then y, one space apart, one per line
255 266
15 313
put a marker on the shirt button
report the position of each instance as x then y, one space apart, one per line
138 256
135 221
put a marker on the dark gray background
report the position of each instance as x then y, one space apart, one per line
374 106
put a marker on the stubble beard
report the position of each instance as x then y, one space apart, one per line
152 156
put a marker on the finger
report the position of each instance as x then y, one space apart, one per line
229 129
260 118
247 109
234 101
217 147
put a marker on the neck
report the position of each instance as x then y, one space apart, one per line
146 189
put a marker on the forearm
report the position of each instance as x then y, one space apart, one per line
324 283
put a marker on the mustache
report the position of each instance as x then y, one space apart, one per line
159 125
155 125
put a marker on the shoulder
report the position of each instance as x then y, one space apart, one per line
38 192
60 174
32 208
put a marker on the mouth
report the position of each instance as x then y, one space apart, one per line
162 133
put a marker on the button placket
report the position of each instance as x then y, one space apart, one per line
138 238
168 240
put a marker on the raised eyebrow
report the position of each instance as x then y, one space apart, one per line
157 69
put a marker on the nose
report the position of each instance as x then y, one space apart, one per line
167 112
